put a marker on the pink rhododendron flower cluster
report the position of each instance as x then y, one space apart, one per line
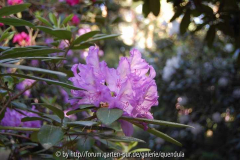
25 83
131 87
14 2
22 39
13 118
72 2
75 20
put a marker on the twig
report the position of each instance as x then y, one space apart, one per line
16 135
19 128
16 96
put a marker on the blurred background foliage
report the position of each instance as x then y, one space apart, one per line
194 47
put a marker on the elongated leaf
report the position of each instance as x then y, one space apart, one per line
121 138
158 122
141 150
67 19
94 128
108 116
5 11
55 110
82 123
53 19
85 37
44 21
210 36
44 58
177 13
16 22
86 106
154 6
101 38
32 69
185 22
42 79
82 46
28 53
85 144
146 8
58 33
159 134
49 135
27 119
53 117
78 110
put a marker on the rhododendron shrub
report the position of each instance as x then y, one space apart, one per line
48 102
128 87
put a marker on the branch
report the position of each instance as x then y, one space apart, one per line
16 135
19 128
16 96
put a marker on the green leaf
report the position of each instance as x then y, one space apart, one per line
53 19
110 144
177 13
86 106
44 58
2 114
49 135
55 110
13 53
32 69
82 46
6 34
101 38
210 36
114 138
58 33
67 19
159 134
27 119
154 6
18 104
6 11
99 128
85 144
42 79
199 27
53 117
108 116
85 37
78 110
16 22
82 123
153 121
141 150
146 8
44 21
185 22
34 136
